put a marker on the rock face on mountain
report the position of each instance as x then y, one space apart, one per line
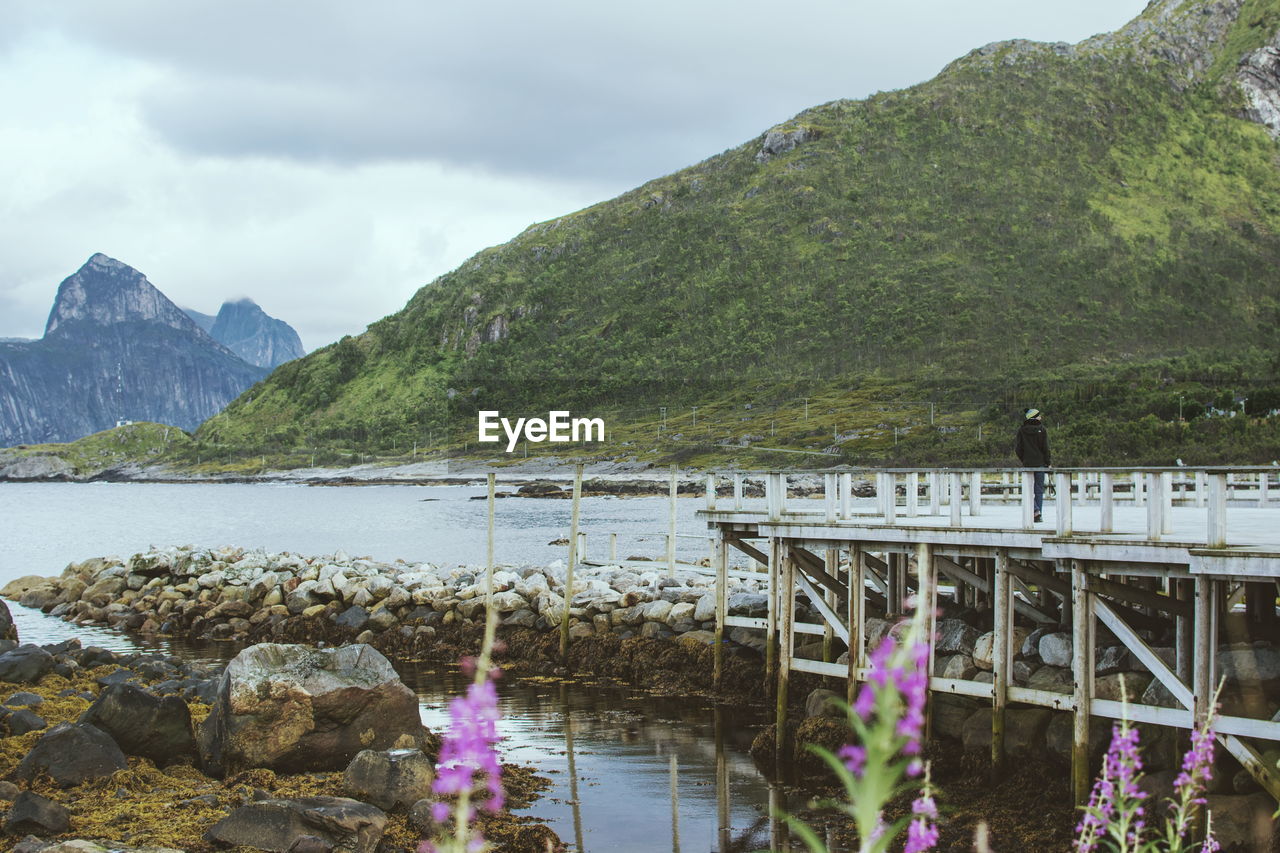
251 333
115 348
255 336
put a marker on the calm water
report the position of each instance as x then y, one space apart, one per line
629 772
44 526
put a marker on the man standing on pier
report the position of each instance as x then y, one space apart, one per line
1032 447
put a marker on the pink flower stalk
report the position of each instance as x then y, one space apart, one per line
469 747
922 832
1115 799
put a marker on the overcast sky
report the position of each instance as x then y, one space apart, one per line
327 158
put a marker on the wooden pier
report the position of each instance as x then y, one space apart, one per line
1192 554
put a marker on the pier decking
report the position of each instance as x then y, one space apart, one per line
1191 555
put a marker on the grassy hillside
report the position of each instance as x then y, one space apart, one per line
1034 223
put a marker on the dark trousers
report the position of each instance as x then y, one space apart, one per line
1038 490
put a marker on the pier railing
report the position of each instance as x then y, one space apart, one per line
1137 554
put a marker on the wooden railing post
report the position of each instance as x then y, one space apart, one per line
1217 499
1062 485
1106 501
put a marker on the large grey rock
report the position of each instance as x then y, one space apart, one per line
1055 649
71 753
1243 820
954 666
752 604
818 704
8 630
389 779
1053 678
32 813
295 708
1131 684
141 723
277 825
956 637
25 665
1245 665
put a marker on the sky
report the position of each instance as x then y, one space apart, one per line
328 158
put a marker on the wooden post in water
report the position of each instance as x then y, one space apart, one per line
722 596
573 559
787 610
1001 654
671 525
1082 672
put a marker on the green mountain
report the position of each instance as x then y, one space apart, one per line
1094 227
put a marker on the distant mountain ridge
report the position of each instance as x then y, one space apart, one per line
115 349
1034 211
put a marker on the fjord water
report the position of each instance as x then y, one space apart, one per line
608 751
44 526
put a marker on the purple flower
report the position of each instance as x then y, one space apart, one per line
468 747
854 758
922 832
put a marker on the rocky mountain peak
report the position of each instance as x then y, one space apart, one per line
257 337
106 291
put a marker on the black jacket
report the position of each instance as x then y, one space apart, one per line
1032 445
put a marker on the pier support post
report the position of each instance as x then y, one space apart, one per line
857 610
1002 655
927 597
787 608
1205 639
771 616
722 594
1082 672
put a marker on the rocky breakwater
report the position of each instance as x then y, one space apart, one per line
287 748
252 596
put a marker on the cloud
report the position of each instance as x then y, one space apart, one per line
328 158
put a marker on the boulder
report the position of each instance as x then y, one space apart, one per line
818 704
71 753
277 825
389 779
21 721
1130 685
25 665
141 723
1243 820
954 666
1055 649
32 813
956 637
8 630
1053 678
294 708
354 617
